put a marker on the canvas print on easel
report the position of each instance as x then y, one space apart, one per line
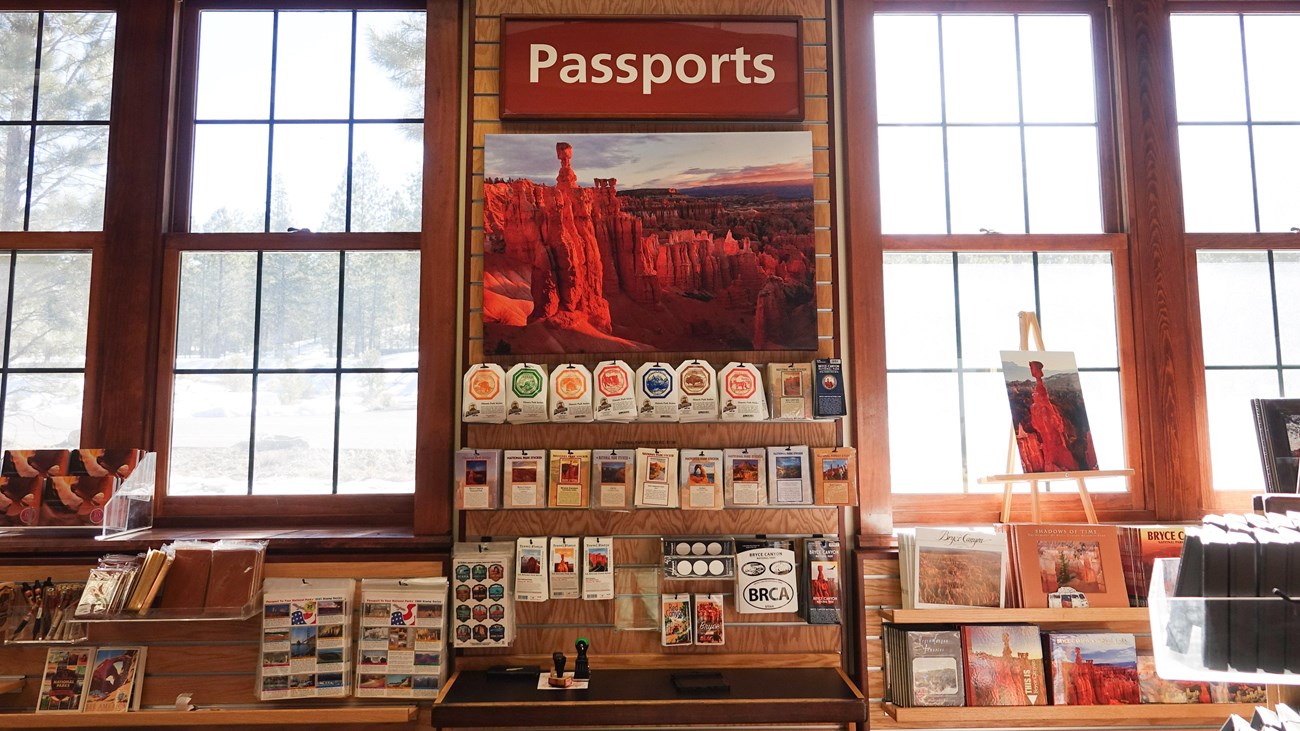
609 243
1047 412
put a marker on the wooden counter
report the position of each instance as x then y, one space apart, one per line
639 697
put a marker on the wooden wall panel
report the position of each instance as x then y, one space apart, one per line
546 627
216 661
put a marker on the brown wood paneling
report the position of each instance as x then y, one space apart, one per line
808 8
126 276
702 435
1173 431
650 522
656 660
546 626
438 380
795 639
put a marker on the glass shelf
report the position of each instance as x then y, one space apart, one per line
182 615
1181 626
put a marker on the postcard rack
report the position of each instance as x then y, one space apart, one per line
1181 627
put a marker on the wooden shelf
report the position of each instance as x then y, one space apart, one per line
339 715
1149 714
12 683
1088 616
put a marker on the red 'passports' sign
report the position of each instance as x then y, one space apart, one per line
617 68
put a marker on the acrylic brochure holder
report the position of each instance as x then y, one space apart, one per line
1181 627
130 510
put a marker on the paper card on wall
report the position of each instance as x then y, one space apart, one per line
564 568
597 568
526 391
571 393
766 582
570 475
789 386
401 648
478 479
484 608
697 386
835 475
656 478
656 392
789 481
614 393
483 398
709 625
524 478
744 477
675 619
613 479
828 380
822 587
306 638
531 583
701 480
740 392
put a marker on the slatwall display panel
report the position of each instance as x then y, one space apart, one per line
772 640
215 661
485 120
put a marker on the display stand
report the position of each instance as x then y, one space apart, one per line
1029 323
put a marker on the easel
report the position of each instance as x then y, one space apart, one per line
1028 323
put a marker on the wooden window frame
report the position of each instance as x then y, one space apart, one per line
881 508
1195 242
427 510
92 242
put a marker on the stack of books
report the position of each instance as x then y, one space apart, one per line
185 576
1017 665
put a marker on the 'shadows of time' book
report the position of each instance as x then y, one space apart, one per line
1062 565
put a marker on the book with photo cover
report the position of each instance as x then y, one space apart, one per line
1155 689
1140 546
958 568
1093 668
1003 665
925 666
63 686
116 675
1277 428
1062 565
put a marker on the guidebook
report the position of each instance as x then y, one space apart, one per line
115 680
63 687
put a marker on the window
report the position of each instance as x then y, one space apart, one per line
1239 147
1238 121
295 358
987 123
56 78
45 314
991 124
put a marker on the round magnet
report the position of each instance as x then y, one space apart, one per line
717 567
701 568
697 548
